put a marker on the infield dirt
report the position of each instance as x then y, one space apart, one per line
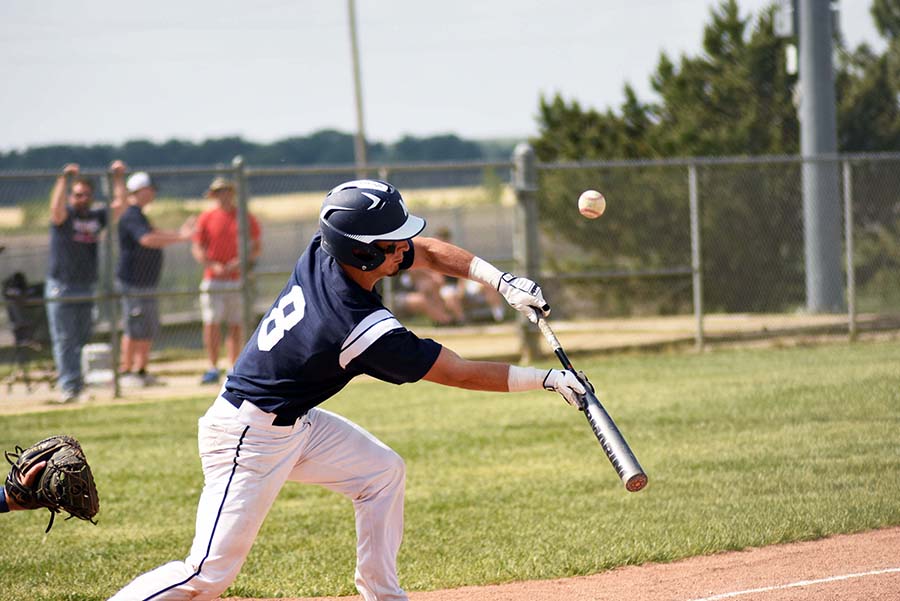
848 567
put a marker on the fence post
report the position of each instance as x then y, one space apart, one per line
240 183
526 240
109 289
848 241
696 261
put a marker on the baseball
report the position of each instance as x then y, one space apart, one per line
591 204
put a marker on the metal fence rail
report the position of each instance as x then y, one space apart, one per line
688 236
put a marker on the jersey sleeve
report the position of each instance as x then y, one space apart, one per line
399 357
255 231
136 225
381 347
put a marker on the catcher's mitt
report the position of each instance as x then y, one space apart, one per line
65 483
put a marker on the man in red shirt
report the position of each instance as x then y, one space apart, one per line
216 248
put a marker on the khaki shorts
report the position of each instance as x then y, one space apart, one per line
140 313
220 302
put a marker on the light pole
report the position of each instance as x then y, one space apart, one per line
359 145
818 137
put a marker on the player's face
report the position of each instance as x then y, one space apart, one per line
393 255
81 196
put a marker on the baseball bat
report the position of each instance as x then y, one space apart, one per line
611 440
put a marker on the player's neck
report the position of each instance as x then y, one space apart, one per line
365 279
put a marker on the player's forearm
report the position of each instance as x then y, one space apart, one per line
58 200
442 257
161 239
120 197
199 254
452 370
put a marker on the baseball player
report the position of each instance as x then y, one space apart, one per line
327 326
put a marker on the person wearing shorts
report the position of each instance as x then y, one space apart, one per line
215 246
140 265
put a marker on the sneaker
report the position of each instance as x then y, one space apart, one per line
210 376
148 378
131 380
66 397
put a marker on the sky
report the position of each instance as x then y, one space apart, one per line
107 71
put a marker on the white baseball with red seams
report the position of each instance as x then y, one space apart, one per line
591 204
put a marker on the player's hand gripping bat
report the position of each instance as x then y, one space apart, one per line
605 429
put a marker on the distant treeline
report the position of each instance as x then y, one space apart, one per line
326 147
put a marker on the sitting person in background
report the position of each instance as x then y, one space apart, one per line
419 292
460 295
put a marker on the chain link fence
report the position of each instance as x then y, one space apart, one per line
679 237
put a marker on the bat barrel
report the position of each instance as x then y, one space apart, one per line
617 450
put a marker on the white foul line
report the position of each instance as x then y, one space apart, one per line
797 584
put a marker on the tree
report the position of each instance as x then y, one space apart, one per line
734 98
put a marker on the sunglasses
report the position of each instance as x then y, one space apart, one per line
388 249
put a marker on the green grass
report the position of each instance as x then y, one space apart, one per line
743 448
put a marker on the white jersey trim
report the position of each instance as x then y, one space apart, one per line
366 332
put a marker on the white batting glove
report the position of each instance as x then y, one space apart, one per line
565 383
524 296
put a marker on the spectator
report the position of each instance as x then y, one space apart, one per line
75 229
419 291
216 248
140 265
461 294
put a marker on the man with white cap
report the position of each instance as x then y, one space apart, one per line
140 265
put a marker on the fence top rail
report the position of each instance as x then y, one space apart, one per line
32 174
732 160
376 167
221 169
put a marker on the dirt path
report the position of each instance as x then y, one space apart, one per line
854 567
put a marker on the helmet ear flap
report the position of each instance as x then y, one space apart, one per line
369 255
364 256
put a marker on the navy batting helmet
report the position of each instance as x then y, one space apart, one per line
357 213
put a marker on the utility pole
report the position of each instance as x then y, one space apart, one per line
359 145
818 137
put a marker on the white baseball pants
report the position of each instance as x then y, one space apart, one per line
246 460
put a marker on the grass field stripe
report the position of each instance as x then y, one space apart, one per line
798 584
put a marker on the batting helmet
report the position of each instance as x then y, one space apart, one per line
357 213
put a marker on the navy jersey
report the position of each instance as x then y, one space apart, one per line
321 332
73 246
138 265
